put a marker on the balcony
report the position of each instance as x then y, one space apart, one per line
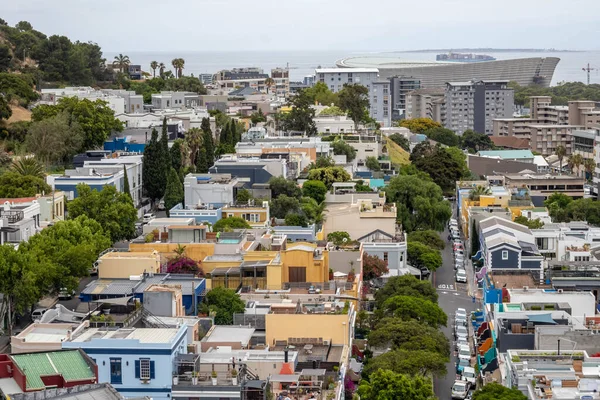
12 216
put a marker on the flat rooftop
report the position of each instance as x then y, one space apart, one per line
45 334
222 333
143 335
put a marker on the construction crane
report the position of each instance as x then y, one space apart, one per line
589 69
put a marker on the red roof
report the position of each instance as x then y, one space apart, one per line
19 200
510 142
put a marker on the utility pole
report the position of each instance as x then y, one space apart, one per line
589 69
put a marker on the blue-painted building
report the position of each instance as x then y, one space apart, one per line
202 214
68 184
124 144
136 361
193 288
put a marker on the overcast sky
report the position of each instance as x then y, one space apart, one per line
358 25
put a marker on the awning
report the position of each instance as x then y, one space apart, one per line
542 318
339 274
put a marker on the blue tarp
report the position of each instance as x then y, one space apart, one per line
542 318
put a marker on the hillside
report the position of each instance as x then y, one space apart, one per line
398 155
19 114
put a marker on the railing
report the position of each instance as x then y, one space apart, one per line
12 216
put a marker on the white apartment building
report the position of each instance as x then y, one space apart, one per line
570 241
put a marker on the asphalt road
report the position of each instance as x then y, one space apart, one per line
452 295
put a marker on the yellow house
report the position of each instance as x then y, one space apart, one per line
116 264
256 215
195 251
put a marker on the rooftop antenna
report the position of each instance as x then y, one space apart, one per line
589 69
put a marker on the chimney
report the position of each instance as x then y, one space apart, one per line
285 355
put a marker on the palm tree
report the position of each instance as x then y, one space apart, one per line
28 167
154 65
479 191
268 83
121 62
193 141
161 69
574 162
178 64
168 75
589 166
561 152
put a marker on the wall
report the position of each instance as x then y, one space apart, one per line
123 265
316 270
326 326
511 263
491 166
161 303
196 251
340 260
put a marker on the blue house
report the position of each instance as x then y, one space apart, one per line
124 144
137 362
86 175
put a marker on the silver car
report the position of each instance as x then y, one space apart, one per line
460 389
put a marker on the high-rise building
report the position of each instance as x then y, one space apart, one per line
425 103
474 104
281 76
400 86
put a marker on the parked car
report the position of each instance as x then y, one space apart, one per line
425 272
460 276
148 217
460 389
460 320
37 313
468 374
161 206
457 245
464 352
461 342
461 311
461 331
66 294
461 363
94 269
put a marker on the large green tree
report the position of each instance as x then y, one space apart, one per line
428 237
437 163
208 142
420 255
409 335
13 185
229 224
302 114
224 303
113 210
152 167
411 362
174 190
342 148
406 285
315 189
176 156
96 119
474 142
419 125
388 385
495 391
280 185
56 139
329 175
283 205
354 99
321 94
443 136
407 308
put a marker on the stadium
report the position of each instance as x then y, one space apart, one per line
524 71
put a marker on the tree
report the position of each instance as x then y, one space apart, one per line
55 139
176 156
5 110
474 238
321 94
333 111
312 210
388 385
14 185
268 83
329 175
243 196
372 163
257 117
437 163
28 166
561 152
409 335
282 205
322 162
229 224
407 308
478 191
427 237
406 285
419 125
339 238
293 219
161 69
575 162
589 166
443 136
178 64
174 190
126 188
495 391
315 190
193 141
530 223
400 141
224 303
96 118
182 264
112 209
151 168
17 88
154 66
474 142
354 99
373 267
208 142
420 203
420 255
561 200
122 63
279 185
5 58
411 362
460 158
301 116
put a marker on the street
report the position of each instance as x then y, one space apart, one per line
452 295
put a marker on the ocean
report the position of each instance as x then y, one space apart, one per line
303 63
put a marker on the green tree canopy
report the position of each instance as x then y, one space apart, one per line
329 175
5 110
18 87
400 141
243 195
283 205
419 125
420 255
428 237
342 148
321 94
176 155
229 224
315 190
312 210
293 219
474 142
530 223
174 190
280 185
112 209
14 185
388 385
407 308
411 362
438 163
372 163
152 168
224 302
495 391
409 335
55 140
322 162
96 119
406 285
354 99
338 238
302 114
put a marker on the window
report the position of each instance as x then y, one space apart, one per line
116 376
144 369
505 254
385 256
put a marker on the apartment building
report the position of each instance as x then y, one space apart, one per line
281 76
541 186
545 139
380 99
228 80
475 104
175 100
426 103
400 86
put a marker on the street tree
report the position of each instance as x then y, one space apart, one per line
427 237
314 189
113 210
373 267
407 308
385 384
354 99
411 362
14 185
224 303
420 255
406 285
174 190
496 391
396 333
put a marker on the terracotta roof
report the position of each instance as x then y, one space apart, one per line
510 142
19 200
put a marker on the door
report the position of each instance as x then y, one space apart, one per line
297 274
